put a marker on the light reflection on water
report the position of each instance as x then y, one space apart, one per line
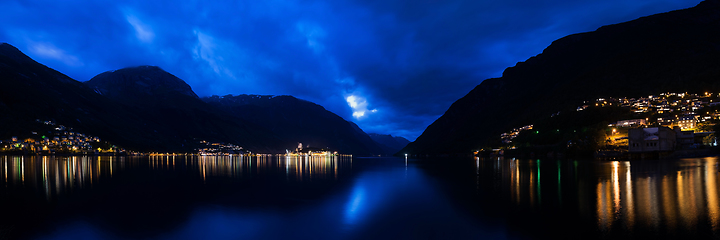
261 197
655 197
297 168
338 198
57 175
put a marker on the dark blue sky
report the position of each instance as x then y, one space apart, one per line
392 67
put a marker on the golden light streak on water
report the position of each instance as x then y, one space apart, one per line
643 199
669 204
653 203
516 179
682 198
615 178
533 185
711 188
45 174
59 175
668 196
22 170
71 173
629 206
696 198
95 172
604 208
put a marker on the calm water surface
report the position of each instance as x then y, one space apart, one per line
360 198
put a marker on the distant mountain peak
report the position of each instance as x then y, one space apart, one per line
145 80
144 67
391 144
7 45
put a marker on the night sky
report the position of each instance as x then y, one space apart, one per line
392 67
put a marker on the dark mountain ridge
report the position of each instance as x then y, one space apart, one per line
669 52
299 121
168 102
391 144
31 91
141 81
147 109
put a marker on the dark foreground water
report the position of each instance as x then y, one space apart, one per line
360 198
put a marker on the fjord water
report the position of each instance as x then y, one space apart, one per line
191 197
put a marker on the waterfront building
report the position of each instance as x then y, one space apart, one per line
684 139
655 139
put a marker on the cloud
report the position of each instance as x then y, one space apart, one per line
49 51
143 32
205 51
359 106
313 35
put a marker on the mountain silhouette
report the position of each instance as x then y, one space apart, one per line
169 103
298 121
669 52
147 109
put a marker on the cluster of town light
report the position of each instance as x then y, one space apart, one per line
683 103
62 139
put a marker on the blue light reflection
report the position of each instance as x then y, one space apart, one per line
384 198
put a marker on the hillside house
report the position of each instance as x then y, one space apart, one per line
630 123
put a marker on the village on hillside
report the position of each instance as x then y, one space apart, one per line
58 139
672 122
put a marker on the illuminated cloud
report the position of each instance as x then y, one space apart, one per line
49 51
143 32
359 106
